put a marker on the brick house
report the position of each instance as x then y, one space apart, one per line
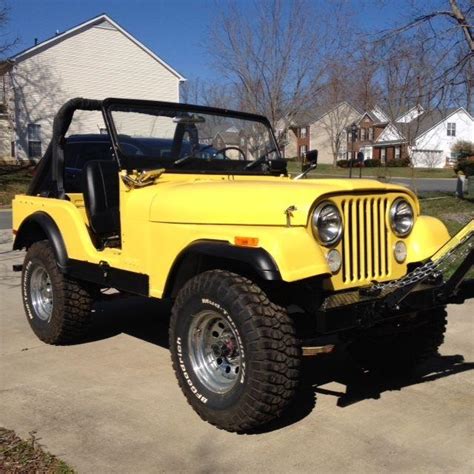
301 137
323 129
425 136
96 59
376 138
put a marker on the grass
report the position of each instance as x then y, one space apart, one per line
17 455
454 212
13 180
324 171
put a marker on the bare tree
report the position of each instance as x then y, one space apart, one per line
6 43
364 86
198 91
336 98
446 30
272 54
335 123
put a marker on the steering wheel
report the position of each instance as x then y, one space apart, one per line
260 161
223 150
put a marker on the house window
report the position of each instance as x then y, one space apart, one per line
303 132
34 140
371 133
303 150
451 129
397 152
362 134
383 154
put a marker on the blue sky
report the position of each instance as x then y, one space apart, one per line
173 29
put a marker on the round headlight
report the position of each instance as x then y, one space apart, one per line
401 217
327 223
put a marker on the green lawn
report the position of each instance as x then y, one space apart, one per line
324 171
454 212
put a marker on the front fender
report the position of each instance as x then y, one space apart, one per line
427 237
283 253
296 253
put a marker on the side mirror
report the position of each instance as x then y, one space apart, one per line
312 157
310 160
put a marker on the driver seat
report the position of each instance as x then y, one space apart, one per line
100 187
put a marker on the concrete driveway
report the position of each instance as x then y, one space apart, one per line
5 219
112 404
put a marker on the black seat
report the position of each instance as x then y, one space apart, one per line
100 185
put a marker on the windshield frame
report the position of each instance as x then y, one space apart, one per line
125 161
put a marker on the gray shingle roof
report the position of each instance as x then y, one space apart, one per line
424 122
307 117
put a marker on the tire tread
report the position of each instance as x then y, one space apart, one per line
274 349
72 314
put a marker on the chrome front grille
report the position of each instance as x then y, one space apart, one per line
365 242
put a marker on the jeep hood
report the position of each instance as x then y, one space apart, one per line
251 202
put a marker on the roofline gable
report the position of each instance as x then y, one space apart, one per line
445 118
417 106
82 27
334 107
391 126
365 114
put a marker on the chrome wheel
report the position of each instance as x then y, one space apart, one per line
214 351
41 292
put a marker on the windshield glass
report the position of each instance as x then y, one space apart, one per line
187 139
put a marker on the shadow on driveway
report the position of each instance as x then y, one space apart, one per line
148 320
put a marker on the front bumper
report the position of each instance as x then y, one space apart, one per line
438 281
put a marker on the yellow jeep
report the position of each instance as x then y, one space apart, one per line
194 204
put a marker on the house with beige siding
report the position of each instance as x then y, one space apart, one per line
96 59
323 129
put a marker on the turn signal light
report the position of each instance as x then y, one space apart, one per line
246 241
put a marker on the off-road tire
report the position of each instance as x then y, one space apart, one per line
400 346
72 300
271 358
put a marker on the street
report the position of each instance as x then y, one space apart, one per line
443 185
111 404
5 219
419 185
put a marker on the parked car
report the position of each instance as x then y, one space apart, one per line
80 149
261 267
